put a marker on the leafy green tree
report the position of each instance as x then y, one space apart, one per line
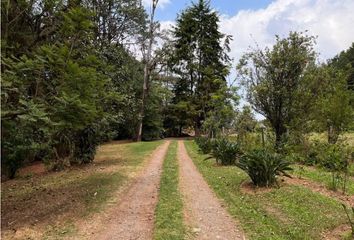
245 121
52 97
199 61
27 25
116 22
345 61
69 80
156 103
333 109
219 121
275 82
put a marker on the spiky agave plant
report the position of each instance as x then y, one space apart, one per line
225 152
263 166
204 144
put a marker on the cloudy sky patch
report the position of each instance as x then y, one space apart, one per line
332 21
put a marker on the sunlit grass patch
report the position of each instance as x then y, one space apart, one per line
169 212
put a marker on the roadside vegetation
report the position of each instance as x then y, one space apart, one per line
169 223
48 205
299 100
325 178
288 212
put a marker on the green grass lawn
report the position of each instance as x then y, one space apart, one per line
169 212
346 137
291 212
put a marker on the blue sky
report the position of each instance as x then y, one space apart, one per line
227 7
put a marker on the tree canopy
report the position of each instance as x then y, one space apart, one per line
200 63
274 79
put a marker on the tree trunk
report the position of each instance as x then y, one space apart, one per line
332 134
196 131
280 131
6 32
147 72
197 128
142 107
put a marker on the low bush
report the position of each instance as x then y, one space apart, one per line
315 153
86 143
323 154
302 151
204 144
335 158
225 151
263 166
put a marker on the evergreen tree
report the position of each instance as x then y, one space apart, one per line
345 61
200 62
332 110
245 121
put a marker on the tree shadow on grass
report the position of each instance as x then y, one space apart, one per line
45 204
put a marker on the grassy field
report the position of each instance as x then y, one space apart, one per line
290 212
169 212
347 138
35 206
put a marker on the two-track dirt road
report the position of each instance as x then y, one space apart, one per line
133 216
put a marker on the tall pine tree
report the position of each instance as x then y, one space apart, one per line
200 61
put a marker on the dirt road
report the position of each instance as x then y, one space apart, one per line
203 211
133 218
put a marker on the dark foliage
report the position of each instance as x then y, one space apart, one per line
205 144
86 143
225 151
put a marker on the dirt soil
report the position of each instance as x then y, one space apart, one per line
337 233
133 216
36 168
203 211
315 187
249 188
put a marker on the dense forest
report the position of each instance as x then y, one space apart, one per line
79 73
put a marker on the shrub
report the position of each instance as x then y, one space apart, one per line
225 151
86 143
263 166
204 144
315 153
332 157
335 158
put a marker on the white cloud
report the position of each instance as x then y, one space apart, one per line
161 4
331 20
167 25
